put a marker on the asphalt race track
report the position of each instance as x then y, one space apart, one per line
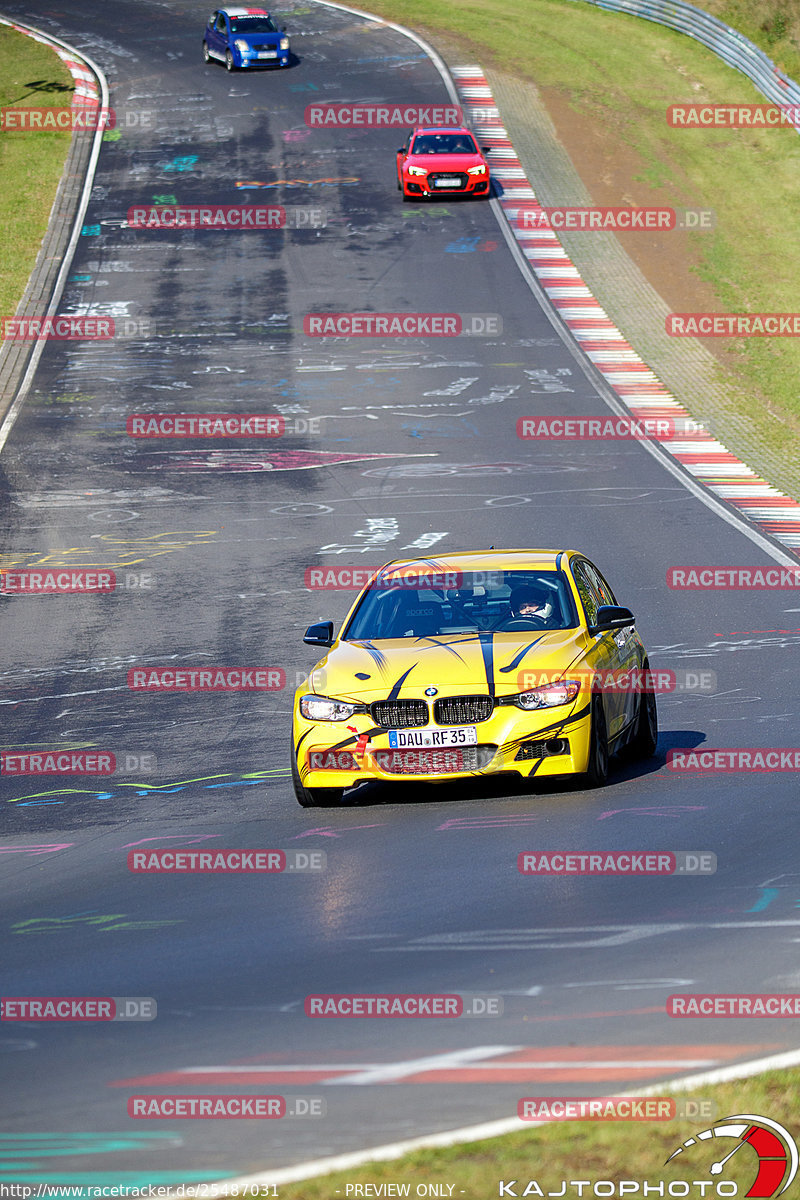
210 541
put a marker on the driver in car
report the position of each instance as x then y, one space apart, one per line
531 603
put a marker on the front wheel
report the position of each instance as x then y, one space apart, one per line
645 738
597 770
229 63
206 55
313 797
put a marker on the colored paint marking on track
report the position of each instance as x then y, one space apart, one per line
479 1064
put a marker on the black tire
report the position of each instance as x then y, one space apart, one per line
597 770
645 737
313 797
206 55
230 65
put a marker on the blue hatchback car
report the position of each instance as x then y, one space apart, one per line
245 37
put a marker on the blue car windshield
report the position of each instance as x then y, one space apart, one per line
520 602
444 143
253 25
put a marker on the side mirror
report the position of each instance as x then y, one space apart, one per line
611 616
320 634
487 149
402 150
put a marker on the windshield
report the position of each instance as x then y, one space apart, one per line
444 143
253 25
463 602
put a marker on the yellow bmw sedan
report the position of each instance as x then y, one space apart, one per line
499 661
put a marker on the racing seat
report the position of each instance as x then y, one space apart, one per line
412 618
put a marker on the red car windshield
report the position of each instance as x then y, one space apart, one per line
443 143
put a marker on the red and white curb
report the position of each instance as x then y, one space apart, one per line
87 90
636 385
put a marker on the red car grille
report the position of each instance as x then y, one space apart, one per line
434 175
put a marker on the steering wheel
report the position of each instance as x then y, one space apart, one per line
519 624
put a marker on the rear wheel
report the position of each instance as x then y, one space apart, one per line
597 770
313 797
645 738
229 63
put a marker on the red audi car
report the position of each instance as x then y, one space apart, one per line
442 162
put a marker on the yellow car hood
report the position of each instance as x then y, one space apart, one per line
455 664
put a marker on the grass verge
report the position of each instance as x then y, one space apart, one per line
31 163
593 1150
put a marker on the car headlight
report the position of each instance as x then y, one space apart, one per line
284 43
550 695
417 171
481 170
322 708
242 46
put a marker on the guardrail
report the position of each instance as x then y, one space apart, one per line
729 45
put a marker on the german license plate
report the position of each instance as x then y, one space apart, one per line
268 54
460 735
448 181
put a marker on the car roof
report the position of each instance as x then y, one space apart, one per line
441 129
485 560
244 12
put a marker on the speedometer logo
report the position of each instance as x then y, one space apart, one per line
775 1149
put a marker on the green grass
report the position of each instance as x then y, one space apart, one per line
31 163
592 1150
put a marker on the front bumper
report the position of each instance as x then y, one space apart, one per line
252 60
548 742
419 186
